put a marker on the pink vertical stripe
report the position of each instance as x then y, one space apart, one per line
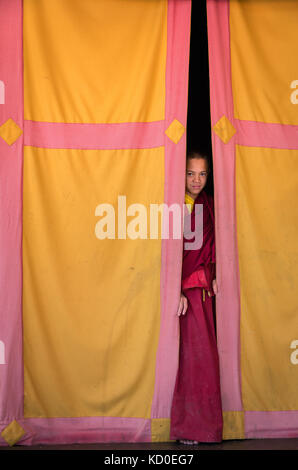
228 298
178 36
11 383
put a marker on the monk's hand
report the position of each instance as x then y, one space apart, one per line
215 286
183 304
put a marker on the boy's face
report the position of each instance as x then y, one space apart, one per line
196 176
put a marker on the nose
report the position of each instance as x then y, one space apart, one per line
197 178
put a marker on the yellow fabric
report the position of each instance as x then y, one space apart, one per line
264 39
10 131
224 129
160 430
13 433
175 131
267 221
233 425
189 201
83 59
91 308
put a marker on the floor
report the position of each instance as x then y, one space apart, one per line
238 445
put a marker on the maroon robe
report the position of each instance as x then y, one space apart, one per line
196 408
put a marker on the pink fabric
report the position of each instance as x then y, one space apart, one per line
228 298
262 134
83 430
94 136
174 188
271 424
11 68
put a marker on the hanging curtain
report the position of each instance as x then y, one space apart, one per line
92 115
253 83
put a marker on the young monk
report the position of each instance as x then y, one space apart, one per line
196 414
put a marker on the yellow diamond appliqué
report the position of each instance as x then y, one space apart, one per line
224 129
10 131
175 131
13 433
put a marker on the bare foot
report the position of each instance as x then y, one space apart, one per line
188 442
